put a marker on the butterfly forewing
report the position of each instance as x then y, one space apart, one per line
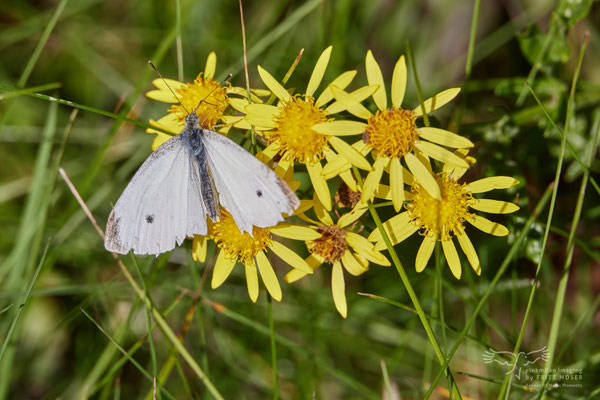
248 189
160 206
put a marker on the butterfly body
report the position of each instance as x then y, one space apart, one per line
187 179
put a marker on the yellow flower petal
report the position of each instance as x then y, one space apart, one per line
424 253
235 120
441 154
319 184
349 103
338 289
273 85
397 228
348 178
261 115
340 128
358 95
335 166
167 83
469 250
493 206
287 255
319 71
422 175
296 232
487 226
268 153
199 247
373 179
268 275
162 95
374 77
210 66
321 213
385 192
349 153
351 264
456 172
397 183
304 206
399 82
241 104
435 102
452 258
341 81
352 216
444 137
159 140
168 122
494 182
223 267
363 247
252 282
313 262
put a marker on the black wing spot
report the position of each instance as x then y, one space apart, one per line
149 219
259 193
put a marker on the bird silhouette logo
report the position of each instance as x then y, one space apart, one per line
511 360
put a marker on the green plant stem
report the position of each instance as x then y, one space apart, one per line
511 253
273 348
411 292
178 43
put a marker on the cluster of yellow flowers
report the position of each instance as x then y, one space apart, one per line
303 129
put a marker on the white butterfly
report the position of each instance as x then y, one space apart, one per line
186 179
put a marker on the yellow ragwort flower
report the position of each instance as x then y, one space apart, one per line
250 250
214 96
444 218
391 134
341 248
288 126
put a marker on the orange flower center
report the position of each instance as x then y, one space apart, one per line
391 133
332 244
440 218
296 138
211 96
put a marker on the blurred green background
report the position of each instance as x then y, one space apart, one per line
95 52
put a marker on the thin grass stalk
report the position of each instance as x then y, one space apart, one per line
156 313
562 285
411 61
509 377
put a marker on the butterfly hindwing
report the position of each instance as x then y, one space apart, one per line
248 189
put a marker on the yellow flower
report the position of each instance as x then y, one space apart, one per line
216 98
237 247
391 134
441 219
341 248
288 127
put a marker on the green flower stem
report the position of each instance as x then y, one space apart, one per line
411 293
273 348
506 385
511 253
562 285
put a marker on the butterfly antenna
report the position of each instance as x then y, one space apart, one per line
211 92
165 82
